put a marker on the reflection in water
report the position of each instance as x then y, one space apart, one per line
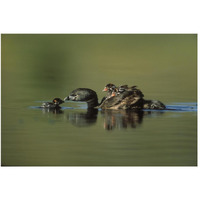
52 110
81 119
113 119
118 119
121 118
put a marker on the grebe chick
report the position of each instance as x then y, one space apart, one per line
54 104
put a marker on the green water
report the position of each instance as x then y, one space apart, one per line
37 68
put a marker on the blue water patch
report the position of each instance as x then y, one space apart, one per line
185 107
187 103
34 107
65 108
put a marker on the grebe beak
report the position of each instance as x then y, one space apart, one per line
105 89
113 94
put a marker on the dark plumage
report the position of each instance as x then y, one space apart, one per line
54 104
129 99
112 90
126 90
122 88
84 94
109 88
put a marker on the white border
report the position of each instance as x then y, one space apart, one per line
155 16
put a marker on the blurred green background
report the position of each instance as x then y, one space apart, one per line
39 67
163 66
